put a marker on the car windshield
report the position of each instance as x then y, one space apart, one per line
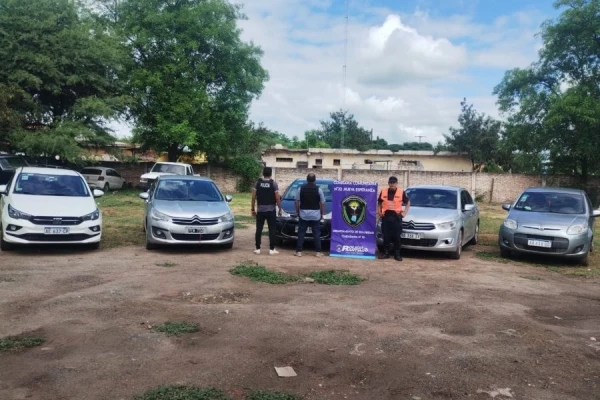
326 187
91 171
551 202
433 198
187 190
169 168
51 185
13 162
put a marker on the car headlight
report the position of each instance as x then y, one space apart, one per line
92 216
447 226
158 216
577 229
327 216
510 223
16 214
226 218
284 214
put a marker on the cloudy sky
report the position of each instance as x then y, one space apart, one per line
410 62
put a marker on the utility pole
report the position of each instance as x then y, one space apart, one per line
420 136
345 70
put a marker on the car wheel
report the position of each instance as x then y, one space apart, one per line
150 245
4 245
144 226
504 252
457 253
475 238
106 187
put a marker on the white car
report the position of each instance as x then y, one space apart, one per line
49 206
162 169
103 178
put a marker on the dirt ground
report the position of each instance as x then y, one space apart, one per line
425 328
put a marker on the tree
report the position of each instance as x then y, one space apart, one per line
190 74
477 136
553 107
58 81
342 123
379 144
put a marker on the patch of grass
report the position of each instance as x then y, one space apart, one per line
239 225
177 328
166 264
532 277
335 277
122 216
240 205
268 395
487 256
245 218
489 225
7 280
258 273
183 393
19 343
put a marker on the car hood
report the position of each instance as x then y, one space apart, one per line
289 206
53 206
433 215
187 209
154 175
536 219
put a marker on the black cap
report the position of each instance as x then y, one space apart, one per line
393 179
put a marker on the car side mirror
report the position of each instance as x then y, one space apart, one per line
144 196
469 207
595 213
506 207
228 198
3 189
97 193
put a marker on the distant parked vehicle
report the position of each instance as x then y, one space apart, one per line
165 168
440 218
48 206
557 222
8 166
103 178
184 210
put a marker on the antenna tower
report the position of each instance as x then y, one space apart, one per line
345 70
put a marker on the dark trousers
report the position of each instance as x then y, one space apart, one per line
316 231
391 226
271 219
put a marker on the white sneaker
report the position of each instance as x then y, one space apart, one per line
319 254
273 252
298 254
257 251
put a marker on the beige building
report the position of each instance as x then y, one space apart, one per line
384 160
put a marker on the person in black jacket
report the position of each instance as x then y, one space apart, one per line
266 195
310 208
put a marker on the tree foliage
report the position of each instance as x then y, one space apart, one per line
553 107
58 81
478 136
190 74
341 123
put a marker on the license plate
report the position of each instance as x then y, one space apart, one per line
308 230
539 243
410 235
56 231
195 230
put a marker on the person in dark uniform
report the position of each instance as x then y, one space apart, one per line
390 209
310 208
266 195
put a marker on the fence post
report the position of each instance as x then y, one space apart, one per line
492 190
474 183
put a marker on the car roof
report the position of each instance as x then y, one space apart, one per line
170 163
552 189
184 177
324 180
48 171
445 187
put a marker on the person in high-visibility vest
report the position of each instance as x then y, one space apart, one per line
390 209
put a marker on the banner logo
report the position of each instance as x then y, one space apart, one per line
354 210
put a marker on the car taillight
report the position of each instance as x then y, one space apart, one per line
100 178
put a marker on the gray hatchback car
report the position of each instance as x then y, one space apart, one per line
550 221
184 210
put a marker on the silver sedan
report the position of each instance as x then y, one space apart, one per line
440 218
551 221
184 210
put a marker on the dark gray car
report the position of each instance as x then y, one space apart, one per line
551 221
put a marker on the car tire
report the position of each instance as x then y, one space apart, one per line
106 187
150 245
4 245
504 252
475 238
455 255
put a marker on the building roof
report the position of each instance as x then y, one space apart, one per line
319 150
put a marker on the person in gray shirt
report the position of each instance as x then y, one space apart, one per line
310 208
266 195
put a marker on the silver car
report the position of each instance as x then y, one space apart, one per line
551 221
440 218
184 210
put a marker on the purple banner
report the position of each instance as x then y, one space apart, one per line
353 220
